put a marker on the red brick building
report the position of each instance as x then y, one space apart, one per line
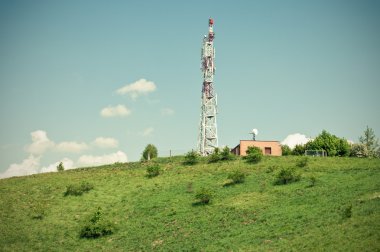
270 148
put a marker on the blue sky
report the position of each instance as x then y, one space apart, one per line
283 67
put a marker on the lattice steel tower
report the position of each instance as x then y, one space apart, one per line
208 137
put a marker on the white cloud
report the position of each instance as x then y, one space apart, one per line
72 147
119 110
89 160
106 142
167 111
67 164
26 167
40 143
293 139
137 88
147 132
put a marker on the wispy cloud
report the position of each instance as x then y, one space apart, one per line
40 143
137 88
28 166
293 139
119 110
106 142
147 132
89 160
72 147
167 111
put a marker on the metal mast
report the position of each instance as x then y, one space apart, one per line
208 137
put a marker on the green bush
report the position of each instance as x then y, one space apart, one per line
347 212
78 189
96 226
302 162
153 171
191 158
226 154
254 154
203 196
312 181
236 177
286 151
287 176
299 150
215 156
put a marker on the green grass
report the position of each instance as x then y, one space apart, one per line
159 213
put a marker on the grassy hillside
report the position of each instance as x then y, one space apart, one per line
341 211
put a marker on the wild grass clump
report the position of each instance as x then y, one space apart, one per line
347 211
78 189
312 181
153 171
191 158
286 176
254 155
203 196
37 211
96 226
303 162
236 177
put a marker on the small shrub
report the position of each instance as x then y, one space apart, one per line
286 176
226 154
312 181
203 196
96 226
271 168
191 158
237 177
347 212
302 162
254 154
60 167
215 156
153 171
77 190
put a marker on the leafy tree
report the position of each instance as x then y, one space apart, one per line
226 154
333 145
286 151
298 150
370 141
191 158
60 167
254 154
149 152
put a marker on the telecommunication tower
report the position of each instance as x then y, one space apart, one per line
208 137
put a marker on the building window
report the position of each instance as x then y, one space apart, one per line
268 151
